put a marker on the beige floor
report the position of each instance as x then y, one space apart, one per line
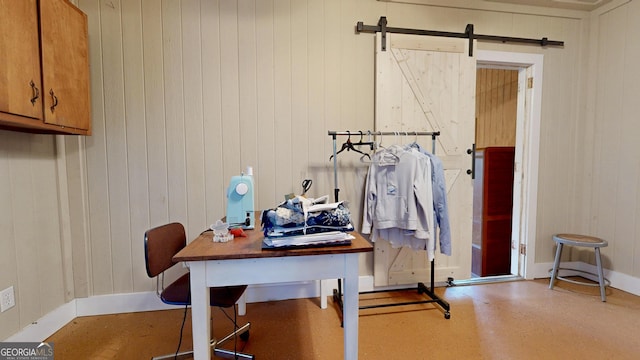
511 320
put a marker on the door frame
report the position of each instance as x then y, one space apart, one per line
525 199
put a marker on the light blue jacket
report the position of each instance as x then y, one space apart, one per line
398 193
439 201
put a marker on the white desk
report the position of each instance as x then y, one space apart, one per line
242 261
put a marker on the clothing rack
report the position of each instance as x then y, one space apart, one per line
421 287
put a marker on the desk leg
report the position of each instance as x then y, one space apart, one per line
350 308
200 311
242 304
324 285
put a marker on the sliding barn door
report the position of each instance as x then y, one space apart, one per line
428 84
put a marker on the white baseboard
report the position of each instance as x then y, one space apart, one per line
120 303
148 301
46 325
618 280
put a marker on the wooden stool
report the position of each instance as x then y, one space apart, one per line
583 241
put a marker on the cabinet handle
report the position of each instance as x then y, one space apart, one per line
36 92
54 98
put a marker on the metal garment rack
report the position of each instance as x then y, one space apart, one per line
467 34
421 287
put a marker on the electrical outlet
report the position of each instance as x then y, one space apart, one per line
7 299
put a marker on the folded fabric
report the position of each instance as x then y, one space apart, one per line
300 216
305 240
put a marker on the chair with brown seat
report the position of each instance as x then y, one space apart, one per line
160 245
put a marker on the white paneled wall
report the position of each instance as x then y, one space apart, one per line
615 200
189 93
30 234
186 94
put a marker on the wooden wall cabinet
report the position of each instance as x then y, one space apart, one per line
44 67
492 211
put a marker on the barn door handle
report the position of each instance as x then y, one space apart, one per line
472 152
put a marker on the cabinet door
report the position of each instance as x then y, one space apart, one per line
20 59
65 64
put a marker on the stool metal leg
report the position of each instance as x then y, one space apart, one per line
603 296
556 266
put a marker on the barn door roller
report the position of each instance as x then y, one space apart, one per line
467 34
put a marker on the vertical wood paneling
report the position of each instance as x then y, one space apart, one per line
212 97
174 109
45 221
300 135
614 174
8 257
631 225
76 187
608 127
229 87
136 124
332 93
35 226
100 247
250 139
627 209
187 93
317 131
116 133
262 99
154 104
267 160
282 92
24 202
496 105
196 219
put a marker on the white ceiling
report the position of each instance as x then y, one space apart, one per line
586 5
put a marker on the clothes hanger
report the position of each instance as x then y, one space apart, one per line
413 144
386 156
368 143
349 146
